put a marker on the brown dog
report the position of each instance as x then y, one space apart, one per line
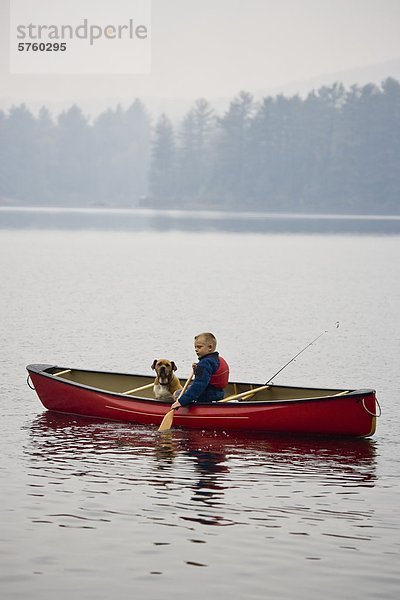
166 382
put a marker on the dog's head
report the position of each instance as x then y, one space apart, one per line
164 368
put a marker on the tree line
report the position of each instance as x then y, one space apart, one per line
74 162
337 150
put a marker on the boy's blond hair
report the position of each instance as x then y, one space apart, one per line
208 337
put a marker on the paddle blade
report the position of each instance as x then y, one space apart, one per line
167 421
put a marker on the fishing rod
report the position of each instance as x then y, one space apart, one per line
298 354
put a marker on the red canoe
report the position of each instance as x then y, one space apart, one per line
275 409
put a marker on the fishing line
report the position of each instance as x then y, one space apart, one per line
301 351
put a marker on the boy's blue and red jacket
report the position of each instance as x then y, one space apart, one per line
211 376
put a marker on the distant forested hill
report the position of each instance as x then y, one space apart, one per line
337 150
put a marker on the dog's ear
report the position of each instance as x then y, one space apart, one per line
153 366
173 365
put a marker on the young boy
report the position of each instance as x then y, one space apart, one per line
211 373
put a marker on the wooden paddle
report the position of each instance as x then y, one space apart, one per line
139 389
245 395
169 417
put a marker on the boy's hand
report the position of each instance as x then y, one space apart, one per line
176 395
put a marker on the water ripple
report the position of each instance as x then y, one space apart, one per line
195 477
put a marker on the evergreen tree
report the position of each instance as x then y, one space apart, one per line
121 155
163 164
3 156
73 176
231 166
45 158
321 142
193 154
108 129
386 196
19 156
136 157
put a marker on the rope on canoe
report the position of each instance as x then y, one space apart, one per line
29 385
369 412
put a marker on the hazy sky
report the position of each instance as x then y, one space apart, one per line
215 48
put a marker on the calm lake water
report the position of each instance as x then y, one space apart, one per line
98 509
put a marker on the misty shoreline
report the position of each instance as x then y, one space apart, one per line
149 220
194 214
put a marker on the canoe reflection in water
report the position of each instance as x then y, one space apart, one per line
58 437
193 478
